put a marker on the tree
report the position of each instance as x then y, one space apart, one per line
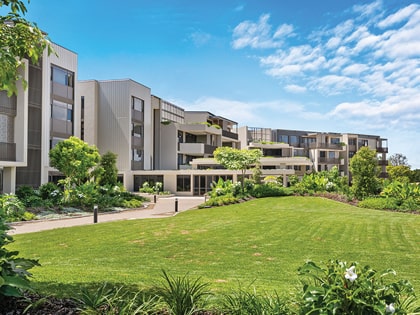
75 159
364 170
401 173
19 39
235 159
398 159
108 164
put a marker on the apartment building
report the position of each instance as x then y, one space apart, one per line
155 140
307 151
37 118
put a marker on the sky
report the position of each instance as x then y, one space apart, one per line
333 66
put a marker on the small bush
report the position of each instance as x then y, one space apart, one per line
219 201
341 288
379 203
270 190
11 208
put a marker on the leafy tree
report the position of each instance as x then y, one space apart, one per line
364 170
235 159
399 173
109 174
398 159
75 159
415 176
19 39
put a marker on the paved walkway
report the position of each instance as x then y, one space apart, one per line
164 207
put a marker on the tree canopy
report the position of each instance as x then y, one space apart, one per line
398 159
364 171
19 39
75 159
235 159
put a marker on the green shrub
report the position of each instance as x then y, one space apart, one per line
14 275
219 201
339 288
379 203
270 190
183 296
242 302
132 203
11 208
50 191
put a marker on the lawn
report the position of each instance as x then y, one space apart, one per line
261 242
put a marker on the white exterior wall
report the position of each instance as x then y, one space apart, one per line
89 90
169 147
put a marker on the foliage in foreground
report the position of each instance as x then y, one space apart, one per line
341 288
336 288
14 275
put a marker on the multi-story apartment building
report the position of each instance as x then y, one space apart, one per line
37 118
155 140
321 150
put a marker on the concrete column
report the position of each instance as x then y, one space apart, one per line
9 180
284 180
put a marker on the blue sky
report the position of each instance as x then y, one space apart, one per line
340 66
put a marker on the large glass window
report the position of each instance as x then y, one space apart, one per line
54 141
138 104
137 130
352 141
61 111
283 138
137 155
62 76
183 183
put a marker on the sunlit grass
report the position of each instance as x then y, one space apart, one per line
262 242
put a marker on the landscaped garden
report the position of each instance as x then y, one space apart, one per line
258 244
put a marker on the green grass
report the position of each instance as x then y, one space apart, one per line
261 242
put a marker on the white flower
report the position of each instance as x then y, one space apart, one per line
350 274
390 309
80 195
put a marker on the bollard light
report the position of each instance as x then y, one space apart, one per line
95 214
176 204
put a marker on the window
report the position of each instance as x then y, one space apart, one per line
138 104
183 183
54 141
137 155
331 155
335 140
351 154
294 139
352 141
62 76
364 143
136 130
61 111
282 138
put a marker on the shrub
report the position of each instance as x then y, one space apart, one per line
11 208
219 201
14 275
242 302
379 203
182 295
50 191
339 288
270 190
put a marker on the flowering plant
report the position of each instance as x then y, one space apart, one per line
340 288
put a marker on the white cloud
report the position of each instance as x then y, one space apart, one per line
399 16
200 38
259 34
293 88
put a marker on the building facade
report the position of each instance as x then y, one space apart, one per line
37 118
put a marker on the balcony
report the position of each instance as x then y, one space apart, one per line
229 134
63 91
61 128
136 165
7 151
328 146
383 162
196 149
136 142
329 161
382 150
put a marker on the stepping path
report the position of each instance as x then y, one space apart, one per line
164 207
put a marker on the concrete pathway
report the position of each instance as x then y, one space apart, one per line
164 207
